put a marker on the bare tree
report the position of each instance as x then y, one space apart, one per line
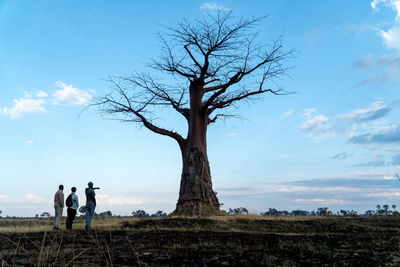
214 63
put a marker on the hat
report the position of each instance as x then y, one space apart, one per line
90 184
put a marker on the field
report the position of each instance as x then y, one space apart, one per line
227 240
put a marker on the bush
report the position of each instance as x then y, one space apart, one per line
140 214
238 211
159 214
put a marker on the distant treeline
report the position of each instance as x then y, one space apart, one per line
324 211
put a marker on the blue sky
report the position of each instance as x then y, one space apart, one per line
334 143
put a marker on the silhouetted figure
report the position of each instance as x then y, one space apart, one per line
71 211
58 206
90 203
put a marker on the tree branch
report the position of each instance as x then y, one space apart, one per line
157 90
192 57
114 106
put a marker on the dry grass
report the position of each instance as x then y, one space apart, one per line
264 218
25 225
29 225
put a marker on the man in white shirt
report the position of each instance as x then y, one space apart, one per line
58 206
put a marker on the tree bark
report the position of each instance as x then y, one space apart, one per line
196 196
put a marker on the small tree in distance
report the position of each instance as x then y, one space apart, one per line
105 214
386 209
215 62
238 211
159 214
140 214
323 212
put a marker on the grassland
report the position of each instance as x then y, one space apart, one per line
227 240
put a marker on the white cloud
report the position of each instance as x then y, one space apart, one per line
30 142
288 113
365 114
118 200
308 112
374 4
389 63
384 194
394 4
316 124
333 189
391 36
31 198
366 62
350 124
320 201
357 29
342 155
355 175
389 32
4 198
71 95
41 94
388 178
231 134
390 75
213 6
321 190
25 105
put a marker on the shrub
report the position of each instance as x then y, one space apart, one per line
140 214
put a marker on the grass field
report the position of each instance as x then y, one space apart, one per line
226 240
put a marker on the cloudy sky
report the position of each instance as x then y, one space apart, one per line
335 143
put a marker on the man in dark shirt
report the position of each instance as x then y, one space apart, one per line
90 204
71 211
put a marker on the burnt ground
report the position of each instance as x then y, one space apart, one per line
359 241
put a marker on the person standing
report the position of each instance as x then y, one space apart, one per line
71 210
90 204
58 206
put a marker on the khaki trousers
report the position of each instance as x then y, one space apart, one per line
57 216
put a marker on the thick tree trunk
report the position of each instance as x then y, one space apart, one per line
196 196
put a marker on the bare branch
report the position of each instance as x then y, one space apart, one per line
216 55
168 62
223 116
133 111
192 57
160 93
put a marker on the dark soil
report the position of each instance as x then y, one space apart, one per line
361 241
